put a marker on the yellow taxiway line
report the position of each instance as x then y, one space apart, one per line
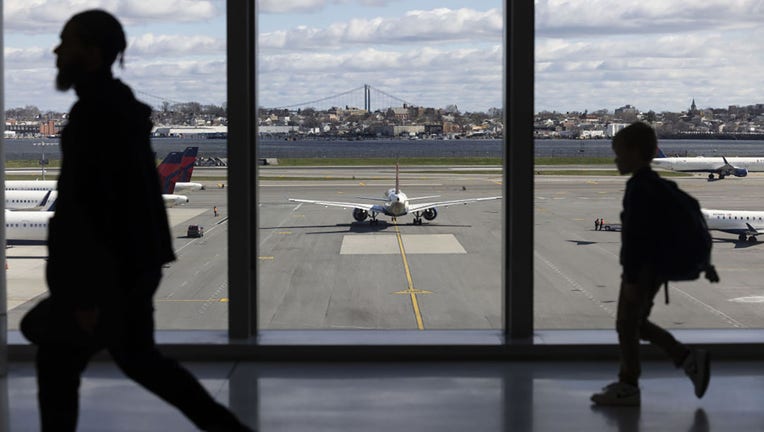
410 291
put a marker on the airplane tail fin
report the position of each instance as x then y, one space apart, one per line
397 178
659 154
169 171
187 163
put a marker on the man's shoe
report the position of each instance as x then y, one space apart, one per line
618 394
697 366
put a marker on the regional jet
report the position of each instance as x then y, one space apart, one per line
746 224
721 166
395 203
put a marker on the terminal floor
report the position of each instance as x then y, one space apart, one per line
476 396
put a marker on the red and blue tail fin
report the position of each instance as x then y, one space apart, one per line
187 164
169 171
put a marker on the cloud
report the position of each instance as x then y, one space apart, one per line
601 17
311 6
424 76
49 16
436 26
175 45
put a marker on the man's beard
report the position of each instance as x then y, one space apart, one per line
64 81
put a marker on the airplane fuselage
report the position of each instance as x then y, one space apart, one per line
742 222
397 203
708 164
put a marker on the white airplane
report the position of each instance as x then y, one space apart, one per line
30 185
26 227
29 199
395 203
721 166
746 224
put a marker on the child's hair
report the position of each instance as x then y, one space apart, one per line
641 135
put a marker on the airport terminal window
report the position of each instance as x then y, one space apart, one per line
593 78
177 65
340 118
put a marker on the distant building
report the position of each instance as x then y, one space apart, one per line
613 128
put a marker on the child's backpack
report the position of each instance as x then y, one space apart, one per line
683 246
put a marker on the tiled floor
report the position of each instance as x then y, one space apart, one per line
443 397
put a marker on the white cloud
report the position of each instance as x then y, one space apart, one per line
175 45
49 16
437 25
310 6
425 76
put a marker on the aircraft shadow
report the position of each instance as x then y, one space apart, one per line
738 243
587 243
359 227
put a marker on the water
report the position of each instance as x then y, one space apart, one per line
26 148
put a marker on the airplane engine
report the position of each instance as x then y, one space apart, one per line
430 214
360 215
740 172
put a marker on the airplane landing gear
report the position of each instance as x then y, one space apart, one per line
417 219
710 176
742 237
752 239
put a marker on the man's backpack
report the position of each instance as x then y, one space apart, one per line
683 245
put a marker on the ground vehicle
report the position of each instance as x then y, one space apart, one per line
195 231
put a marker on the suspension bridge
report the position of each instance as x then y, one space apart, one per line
366 97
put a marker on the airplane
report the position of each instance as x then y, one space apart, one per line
187 168
395 203
720 166
29 199
30 185
27 227
746 224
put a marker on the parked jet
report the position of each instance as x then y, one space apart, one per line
26 227
746 224
720 166
29 199
30 185
395 203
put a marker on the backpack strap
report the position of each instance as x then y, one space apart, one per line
665 290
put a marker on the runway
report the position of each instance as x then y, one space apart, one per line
320 269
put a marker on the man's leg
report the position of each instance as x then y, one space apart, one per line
59 368
135 352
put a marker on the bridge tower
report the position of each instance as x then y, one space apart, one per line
367 98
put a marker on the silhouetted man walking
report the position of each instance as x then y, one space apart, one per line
107 305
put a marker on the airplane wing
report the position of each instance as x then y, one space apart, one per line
345 205
425 206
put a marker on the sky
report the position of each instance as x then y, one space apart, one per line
590 55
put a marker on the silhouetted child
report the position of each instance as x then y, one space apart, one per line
634 148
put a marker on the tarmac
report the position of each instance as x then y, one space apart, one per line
318 268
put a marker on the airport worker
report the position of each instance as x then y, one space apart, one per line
602 223
215 210
596 224
634 147
123 243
